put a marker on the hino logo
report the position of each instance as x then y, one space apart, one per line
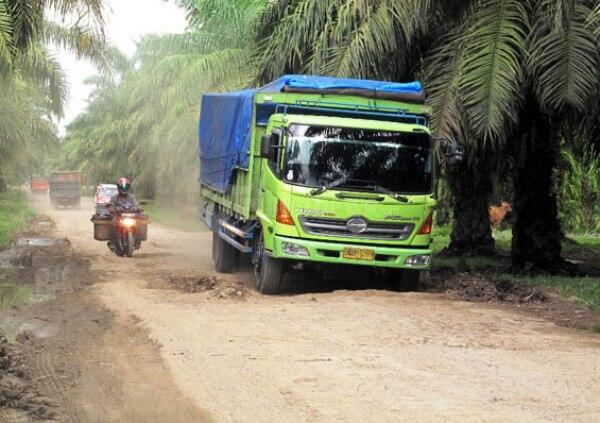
356 225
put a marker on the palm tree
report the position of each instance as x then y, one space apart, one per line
32 82
497 70
144 124
26 135
526 67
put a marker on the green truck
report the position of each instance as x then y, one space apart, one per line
317 171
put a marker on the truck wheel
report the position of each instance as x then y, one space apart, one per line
224 255
404 280
268 272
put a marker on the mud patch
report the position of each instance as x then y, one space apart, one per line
213 285
536 301
46 266
18 391
482 289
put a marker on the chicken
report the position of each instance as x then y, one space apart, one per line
497 214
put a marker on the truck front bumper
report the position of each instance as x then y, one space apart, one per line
333 253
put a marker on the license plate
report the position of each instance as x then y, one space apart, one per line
358 253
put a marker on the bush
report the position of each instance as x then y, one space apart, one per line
14 214
579 191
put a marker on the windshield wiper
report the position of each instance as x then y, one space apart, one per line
372 185
398 197
336 183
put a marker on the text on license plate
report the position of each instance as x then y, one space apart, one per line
358 253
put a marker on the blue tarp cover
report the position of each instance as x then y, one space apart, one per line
226 121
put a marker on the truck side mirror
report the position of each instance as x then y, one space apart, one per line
265 145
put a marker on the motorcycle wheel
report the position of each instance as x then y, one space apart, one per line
130 245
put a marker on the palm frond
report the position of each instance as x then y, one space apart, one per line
491 83
594 20
81 41
442 77
45 72
6 36
564 55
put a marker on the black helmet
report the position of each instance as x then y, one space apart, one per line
123 185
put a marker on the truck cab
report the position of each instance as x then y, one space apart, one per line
353 191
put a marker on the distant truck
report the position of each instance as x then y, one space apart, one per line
39 185
65 188
310 171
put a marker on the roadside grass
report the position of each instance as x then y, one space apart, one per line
12 295
182 218
15 212
583 290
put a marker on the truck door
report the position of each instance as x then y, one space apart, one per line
271 169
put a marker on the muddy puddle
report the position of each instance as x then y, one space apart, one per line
37 269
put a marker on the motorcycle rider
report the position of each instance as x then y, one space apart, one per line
123 200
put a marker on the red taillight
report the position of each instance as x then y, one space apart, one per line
283 214
426 226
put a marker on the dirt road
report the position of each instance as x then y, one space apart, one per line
229 354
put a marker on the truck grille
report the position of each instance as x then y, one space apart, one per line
340 227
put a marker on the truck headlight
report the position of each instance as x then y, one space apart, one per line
417 261
292 249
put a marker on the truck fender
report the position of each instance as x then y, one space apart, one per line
267 227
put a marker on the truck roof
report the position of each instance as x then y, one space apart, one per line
355 123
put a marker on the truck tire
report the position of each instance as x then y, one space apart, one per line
224 255
268 272
404 280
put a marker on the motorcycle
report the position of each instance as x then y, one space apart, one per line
126 234
124 229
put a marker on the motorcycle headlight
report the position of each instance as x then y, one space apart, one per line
128 222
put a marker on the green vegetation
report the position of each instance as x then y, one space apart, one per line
15 212
579 190
441 239
176 217
12 295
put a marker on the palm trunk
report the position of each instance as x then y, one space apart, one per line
471 186
537 233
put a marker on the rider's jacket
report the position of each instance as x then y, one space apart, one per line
120 202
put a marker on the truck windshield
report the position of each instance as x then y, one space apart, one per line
359 159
